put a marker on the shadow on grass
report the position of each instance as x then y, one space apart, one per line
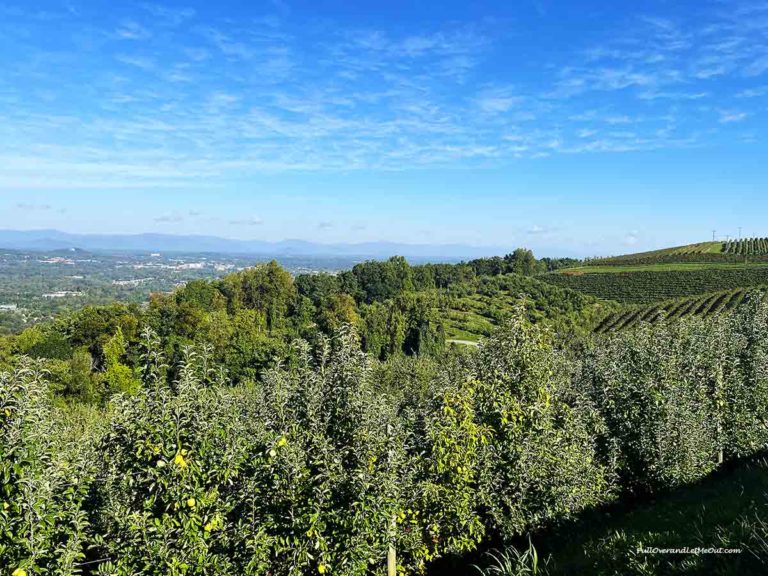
728 509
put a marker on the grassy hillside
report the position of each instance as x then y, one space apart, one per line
699 248
728 510
736 251
660 267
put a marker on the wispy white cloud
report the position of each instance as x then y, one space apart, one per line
32 207
753 92
131 30
537 230
137 61
186 102
654 95
498 100
249 221
729 116
228 46
169 218
758 67
173 16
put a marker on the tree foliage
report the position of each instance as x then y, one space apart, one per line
257 425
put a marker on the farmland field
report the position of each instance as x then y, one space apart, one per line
739 251
703 306
661 267
649 285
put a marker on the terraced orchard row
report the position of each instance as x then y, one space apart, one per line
681 258
474 309
747 247
705 305
645 287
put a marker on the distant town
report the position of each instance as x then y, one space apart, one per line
36 286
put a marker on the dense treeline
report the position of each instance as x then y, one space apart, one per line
333 458
249 318
376 281
40 286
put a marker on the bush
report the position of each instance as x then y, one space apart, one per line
298 475
681 398
166 465
333 460
653 392
43 480
743 393
541 462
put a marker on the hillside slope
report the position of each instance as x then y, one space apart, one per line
748 249
670 274
704 305
648 286
473 309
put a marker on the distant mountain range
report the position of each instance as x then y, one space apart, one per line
49 240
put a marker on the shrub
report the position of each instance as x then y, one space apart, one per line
680 398
743 394
334 459
167 464
652 387
446 518
299 475
42 480
541 462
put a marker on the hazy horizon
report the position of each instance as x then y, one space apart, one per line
32 239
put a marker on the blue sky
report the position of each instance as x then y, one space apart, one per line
571 127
